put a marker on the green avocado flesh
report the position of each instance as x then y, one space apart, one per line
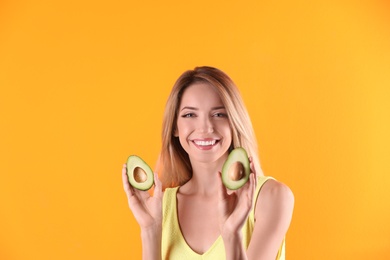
139 173
236 169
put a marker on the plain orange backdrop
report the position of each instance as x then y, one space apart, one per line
83 85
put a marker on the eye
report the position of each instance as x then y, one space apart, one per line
188 115
219 114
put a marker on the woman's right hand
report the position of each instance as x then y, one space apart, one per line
146 209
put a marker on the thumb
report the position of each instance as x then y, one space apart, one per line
222 191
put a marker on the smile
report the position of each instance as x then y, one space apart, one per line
205 143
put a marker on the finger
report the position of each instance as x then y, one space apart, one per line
253 184
253 170
245 203
157 186
131 193
142 194
256 180
126 185
247 191
252 165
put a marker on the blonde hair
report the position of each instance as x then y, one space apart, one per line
174 164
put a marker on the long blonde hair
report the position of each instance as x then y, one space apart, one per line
174 164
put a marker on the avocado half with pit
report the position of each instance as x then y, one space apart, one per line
139 173
236 169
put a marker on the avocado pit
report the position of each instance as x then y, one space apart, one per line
236 171
140 175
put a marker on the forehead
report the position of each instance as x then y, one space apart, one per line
200 93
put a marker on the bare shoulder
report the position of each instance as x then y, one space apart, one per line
275 200
276 191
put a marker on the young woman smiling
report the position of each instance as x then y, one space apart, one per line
196 217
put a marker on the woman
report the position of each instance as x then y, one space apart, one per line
196 217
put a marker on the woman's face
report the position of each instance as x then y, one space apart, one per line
202 124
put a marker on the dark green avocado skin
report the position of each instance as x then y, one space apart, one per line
236 155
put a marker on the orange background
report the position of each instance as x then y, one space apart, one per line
83 85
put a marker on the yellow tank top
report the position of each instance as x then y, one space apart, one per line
174 245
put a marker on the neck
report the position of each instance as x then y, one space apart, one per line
205 179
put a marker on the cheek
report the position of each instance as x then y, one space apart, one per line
181 128
229 132
227 128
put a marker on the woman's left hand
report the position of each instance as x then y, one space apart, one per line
235 206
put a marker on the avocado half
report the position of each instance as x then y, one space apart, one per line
236 169
139 173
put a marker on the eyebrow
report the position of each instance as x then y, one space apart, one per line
195 108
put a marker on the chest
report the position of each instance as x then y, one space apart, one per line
198 221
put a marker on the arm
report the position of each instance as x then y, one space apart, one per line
234 209
151 243
234 249
273 215
147 210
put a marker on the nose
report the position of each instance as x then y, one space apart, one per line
206 125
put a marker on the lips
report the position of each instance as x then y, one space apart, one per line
205 144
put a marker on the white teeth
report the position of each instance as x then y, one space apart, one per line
205 143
